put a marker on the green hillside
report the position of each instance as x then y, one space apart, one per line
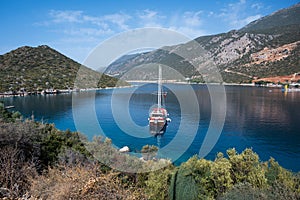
37 68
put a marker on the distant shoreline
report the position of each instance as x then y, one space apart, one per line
193 83
66 91
55 92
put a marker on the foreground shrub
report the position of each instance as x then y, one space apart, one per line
157 185
192 180
240 176
56 142
246 167
221 177
247 191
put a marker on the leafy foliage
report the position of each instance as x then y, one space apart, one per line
157 184
247 168
221 174
103 151
56 142
7 116
149 151
238 176
192 180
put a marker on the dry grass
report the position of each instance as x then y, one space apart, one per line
82 182
14 173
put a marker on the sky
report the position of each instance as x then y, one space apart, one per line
76 27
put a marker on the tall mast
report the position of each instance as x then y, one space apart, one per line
159 87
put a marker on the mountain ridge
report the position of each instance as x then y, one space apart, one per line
233 53
286 16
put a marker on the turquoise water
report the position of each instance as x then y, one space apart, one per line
264 119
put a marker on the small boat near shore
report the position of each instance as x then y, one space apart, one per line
9 107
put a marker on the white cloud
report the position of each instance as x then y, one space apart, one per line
189 23
192 19
119 19
257 6
78 17
148 15
150 18
95 21
239 14
88 32
82 24
78 33
59 16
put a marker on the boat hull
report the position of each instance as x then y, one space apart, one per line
157 127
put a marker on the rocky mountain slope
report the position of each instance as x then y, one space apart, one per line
36 68
267 47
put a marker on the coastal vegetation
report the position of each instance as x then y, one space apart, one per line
39 161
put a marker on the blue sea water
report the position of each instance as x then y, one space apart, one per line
264 119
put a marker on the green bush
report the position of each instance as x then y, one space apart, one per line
157 185
56 142
221 174
8 116
277 175
244 191
192 180
149 151
246 167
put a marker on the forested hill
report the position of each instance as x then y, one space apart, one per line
37 68
267 47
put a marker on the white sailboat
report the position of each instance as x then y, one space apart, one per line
158 115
